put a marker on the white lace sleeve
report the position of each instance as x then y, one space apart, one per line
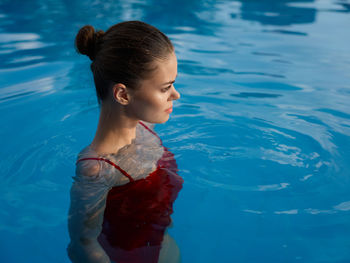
88 200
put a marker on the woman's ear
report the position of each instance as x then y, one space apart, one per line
120 94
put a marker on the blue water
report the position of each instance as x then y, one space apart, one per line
261 134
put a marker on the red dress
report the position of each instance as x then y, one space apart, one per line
138 213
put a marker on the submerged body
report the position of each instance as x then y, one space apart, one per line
122 210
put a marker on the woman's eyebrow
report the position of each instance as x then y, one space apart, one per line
170 82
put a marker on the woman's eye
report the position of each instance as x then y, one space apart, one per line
166 89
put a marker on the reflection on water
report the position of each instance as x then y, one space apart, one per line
261 134
255 95
281 13
43 23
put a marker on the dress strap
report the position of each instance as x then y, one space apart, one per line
144 125
111 163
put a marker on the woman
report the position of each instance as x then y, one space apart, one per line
126 180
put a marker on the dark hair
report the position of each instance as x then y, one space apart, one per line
124 54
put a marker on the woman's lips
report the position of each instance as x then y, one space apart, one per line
169 110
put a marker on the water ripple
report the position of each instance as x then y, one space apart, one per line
261 133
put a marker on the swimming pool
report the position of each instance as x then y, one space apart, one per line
261 134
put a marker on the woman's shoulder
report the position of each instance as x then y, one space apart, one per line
88 167
88 161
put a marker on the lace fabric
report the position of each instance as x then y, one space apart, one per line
138 159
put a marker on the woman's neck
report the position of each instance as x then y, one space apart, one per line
114 131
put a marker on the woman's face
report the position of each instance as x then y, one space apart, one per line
153 100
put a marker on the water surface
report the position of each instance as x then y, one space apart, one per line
261 134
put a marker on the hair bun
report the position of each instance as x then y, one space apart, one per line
87 41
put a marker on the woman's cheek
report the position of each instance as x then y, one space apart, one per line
159 101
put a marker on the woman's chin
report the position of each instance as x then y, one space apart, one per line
159 120
167 118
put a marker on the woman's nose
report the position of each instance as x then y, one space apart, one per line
175 94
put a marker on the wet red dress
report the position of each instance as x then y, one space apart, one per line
138 213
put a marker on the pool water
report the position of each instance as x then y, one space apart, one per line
261 133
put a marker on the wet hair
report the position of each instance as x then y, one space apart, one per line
125 53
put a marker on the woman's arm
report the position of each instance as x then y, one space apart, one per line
88 200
